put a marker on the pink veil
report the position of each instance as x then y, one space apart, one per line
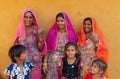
52 34
21 28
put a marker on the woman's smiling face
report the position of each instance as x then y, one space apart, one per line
28 19
87 26
60 22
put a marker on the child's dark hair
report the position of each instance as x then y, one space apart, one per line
16 51
70 44
101 64
60 15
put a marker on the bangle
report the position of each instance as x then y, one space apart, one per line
44 64
96 45
41 41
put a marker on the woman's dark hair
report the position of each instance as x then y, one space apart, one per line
87 19
29 12
60 15
16 51
101 64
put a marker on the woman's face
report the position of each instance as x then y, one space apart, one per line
60 22
87 26
28 19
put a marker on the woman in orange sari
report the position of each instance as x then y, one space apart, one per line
92 45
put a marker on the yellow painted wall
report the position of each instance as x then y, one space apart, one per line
106 12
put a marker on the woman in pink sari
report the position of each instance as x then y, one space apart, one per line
31 36
59 34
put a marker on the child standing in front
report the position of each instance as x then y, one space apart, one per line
20 68
70 64
97 70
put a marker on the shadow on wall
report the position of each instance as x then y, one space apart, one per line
0 76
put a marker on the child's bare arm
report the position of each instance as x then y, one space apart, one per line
7 77
61 67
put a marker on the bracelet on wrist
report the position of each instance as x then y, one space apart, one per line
96 45
40 40
44 64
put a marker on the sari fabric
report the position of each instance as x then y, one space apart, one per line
53 43
90 75
31 44
102 49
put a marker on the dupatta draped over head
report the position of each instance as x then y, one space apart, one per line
21 33
21 28
102 49
52 34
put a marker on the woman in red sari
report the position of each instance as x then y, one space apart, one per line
92 45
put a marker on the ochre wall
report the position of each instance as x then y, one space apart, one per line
106 13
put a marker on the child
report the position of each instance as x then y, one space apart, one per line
20 68
70 64
97 70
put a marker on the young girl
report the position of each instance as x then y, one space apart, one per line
70 64
97 70
20 68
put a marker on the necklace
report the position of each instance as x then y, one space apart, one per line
88 35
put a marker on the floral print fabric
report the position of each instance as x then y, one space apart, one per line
14 71
87 56
32 47
54 58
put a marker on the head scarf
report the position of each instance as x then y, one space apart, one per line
102 49
52 34
21 28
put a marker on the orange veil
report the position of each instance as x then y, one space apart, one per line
102 49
